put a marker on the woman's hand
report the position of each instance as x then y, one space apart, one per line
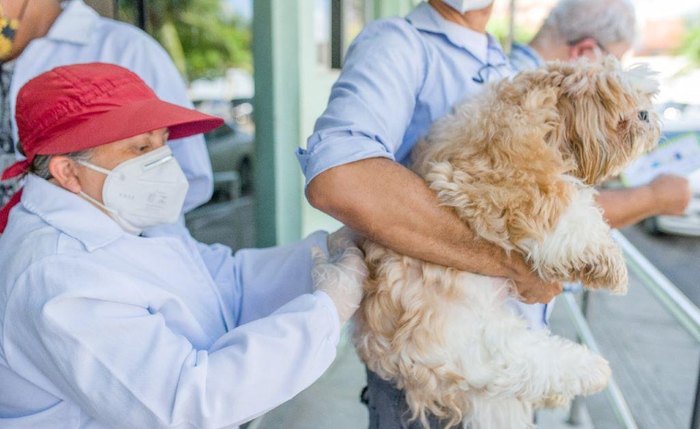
341 274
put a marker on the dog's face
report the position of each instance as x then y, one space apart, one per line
606 116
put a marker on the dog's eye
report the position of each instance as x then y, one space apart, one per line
643 115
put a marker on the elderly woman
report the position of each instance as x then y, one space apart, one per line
111 314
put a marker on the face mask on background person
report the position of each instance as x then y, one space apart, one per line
466 5
8 30
142 192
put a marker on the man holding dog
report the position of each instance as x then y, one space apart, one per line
401 75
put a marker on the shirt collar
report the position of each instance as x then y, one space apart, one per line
483 47
69 213
75 24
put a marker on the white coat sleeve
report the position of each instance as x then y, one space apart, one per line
97 339
263 279
149 60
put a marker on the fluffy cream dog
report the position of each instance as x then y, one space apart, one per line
518 165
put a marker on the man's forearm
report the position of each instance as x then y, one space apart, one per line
624 207
391 205
667 194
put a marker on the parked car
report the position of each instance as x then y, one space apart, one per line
231 150
228 218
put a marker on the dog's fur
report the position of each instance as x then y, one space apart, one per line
518 165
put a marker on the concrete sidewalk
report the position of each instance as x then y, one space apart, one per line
654 361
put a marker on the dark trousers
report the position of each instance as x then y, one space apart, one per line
387 406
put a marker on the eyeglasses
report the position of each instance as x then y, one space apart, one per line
491 72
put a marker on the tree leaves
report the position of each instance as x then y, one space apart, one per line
203 38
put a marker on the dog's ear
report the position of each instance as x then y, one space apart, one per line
540 125
591 104
600 104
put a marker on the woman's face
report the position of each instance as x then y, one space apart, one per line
112 154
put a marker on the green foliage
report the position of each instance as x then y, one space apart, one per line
691 45
202 38
498 27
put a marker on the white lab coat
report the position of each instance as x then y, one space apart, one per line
80 35
100 328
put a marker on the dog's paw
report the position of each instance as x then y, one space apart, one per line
578 372
554 401
607 271
595 375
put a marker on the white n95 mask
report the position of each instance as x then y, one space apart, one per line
466 5
145 191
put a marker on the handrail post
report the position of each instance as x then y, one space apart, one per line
576 409
617 399
695 421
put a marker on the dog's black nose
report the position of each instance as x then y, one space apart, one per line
644 115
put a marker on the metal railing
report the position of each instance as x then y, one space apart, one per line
672 299
613 391
675 301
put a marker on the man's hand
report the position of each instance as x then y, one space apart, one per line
672 194
529 286
342 273
665 195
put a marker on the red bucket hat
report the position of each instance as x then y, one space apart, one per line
81 106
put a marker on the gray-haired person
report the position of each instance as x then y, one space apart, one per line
579 28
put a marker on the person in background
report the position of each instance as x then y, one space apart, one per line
8 31
593 29
49 33
400 75
111 314
579 28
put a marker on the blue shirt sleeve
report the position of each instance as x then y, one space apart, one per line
372 103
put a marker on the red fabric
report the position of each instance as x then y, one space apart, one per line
15 169
82 106
5 211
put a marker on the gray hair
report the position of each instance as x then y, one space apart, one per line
607 21
40 164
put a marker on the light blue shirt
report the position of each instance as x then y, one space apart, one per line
100 328
523 57
400 76
80 35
